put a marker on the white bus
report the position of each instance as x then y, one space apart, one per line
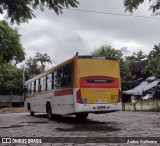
78 86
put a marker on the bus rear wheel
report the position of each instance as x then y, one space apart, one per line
81 116
49 111
31 113
29 109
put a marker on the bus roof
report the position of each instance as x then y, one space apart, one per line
97 57
70 60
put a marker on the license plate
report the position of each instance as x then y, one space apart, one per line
101 101
101 107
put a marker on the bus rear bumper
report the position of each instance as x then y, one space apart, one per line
98 108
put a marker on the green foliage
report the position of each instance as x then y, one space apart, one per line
132 5
136 56
42 58
10 46
126 74
107 50
136 64
153 66
11 79
20 10
31 68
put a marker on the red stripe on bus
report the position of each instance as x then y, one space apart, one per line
99 82
64 92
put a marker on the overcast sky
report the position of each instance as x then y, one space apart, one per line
61 36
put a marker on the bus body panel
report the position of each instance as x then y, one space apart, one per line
98 67
95 107
99 95
60 104
99 81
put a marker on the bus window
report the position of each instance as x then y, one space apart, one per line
42 84
67 75
52 80
49 82
39 85
32 89
46 81
29 88
58 76
35 86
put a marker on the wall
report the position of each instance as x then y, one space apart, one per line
142 105
11 100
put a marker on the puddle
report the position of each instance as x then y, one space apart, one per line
24 124
90 128
12 126
38 122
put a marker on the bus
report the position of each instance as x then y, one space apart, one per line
78 86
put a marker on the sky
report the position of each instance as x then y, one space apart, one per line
61 36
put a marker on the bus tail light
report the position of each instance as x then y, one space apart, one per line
79 97
119 95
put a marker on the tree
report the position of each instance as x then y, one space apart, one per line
137 64
20 10
31 68
136 56
153 66
127 77
133 5
42 58
107 50
10 46
11 79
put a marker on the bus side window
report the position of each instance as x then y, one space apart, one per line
39 85
46 81
67 75
52 80
28 88
49 82
35 86
58 76
32 89
42 84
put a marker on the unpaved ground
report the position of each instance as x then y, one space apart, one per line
12 110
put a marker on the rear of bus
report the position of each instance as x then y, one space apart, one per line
97 85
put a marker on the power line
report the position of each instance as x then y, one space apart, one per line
109 13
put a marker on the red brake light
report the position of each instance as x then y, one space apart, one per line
79 98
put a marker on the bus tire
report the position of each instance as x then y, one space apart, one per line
49 111
81 116
29 109
31 113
